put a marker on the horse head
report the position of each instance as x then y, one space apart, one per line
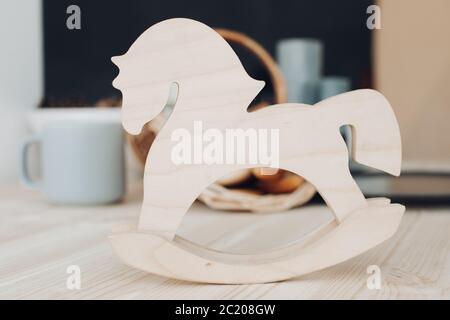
177 51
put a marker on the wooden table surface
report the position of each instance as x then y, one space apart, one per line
38 242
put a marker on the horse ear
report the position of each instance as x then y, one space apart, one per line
116 60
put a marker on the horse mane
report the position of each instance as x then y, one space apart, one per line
185 52
198 48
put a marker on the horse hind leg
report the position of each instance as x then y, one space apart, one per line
334 182
340 192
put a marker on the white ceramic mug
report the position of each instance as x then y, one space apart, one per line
82 160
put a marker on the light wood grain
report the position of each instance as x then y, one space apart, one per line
39 241
327 245
214 88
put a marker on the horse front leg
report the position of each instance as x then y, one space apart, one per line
170 189
167 198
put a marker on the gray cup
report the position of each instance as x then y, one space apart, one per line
331 86
301 61
82 162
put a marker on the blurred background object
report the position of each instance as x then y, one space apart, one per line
308 28
81 155
412 68
301 62
85 54
21 77
323 47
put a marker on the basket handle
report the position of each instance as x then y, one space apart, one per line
279 85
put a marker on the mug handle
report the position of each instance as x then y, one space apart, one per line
24 173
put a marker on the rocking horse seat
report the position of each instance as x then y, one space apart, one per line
330 244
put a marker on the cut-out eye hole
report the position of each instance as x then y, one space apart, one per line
346 133
171 99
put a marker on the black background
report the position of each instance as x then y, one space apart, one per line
78 66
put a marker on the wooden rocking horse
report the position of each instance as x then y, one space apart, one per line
214 88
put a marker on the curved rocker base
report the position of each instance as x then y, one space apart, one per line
331 244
